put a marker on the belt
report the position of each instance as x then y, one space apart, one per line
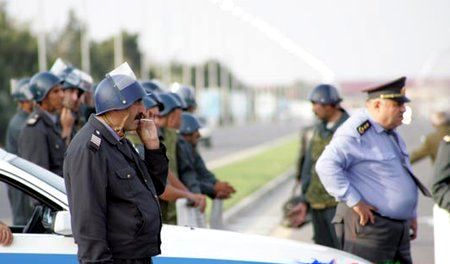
388 218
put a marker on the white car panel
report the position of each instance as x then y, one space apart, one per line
179 244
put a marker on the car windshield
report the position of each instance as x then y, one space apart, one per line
49 177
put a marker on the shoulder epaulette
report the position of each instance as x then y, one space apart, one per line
33 120
363 127
95 141
447 138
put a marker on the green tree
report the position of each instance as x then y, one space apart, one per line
66 43
18 58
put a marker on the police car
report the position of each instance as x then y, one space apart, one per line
45 237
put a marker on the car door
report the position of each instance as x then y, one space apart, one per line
30 214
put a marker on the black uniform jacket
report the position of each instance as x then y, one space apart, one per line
113 195
40 142
192 170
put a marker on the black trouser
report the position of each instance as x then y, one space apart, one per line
324 232
384 241
133 261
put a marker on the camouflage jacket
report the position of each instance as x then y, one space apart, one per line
316 194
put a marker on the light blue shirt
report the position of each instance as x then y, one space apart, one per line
367 167
109 128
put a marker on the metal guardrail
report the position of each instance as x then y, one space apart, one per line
192 217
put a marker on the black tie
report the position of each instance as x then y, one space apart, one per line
395 143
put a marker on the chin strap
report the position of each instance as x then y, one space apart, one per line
119 130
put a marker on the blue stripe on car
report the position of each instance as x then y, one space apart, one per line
72 259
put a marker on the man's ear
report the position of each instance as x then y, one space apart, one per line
377 104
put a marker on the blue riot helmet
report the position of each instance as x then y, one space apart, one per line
149 102
118 90
186 93
169 102
41 83
189 123
20 90
153 86
324 94
72 77
180 100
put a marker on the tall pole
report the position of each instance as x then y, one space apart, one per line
85 54
42 49
118 49
145 67
199 78
187 77
118 39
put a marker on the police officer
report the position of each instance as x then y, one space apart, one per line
20 92
191 167
21 205
75 84
112 193
366 167
187 94
429 147
175 189
169 121
40 141
325 101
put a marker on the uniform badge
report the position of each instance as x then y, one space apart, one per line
95 141
32 120
363 127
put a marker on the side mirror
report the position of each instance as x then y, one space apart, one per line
62 225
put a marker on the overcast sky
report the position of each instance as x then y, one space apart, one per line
346 39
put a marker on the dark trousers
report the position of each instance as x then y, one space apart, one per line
133 261
386 240
324 232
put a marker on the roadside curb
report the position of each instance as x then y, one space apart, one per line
255 197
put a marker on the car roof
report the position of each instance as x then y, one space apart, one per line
31 174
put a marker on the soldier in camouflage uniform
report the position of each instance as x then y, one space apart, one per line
430 144
441 182
326 106
169 121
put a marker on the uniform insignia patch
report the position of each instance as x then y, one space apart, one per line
447 138
32 120
363 127
95 141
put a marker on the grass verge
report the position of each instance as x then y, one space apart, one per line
250 174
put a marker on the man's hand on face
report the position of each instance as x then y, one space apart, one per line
67 120
148 133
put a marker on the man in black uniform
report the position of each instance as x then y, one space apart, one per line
20 92
40 141
75 84
192 169
112 193
21 206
